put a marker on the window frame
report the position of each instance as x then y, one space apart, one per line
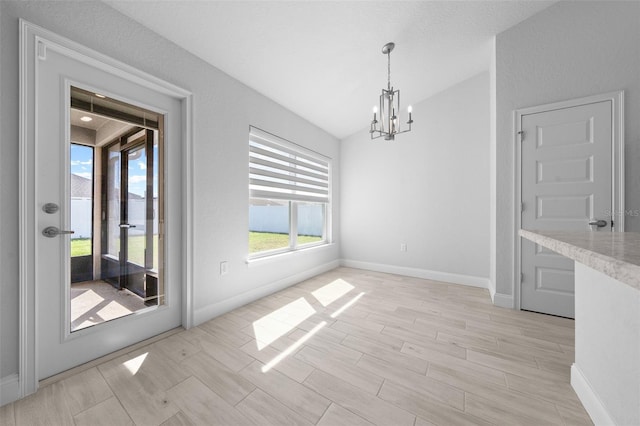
293 204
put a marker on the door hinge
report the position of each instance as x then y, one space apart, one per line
521 133
521 277
42 51
522 207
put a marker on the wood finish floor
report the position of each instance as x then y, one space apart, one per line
348 347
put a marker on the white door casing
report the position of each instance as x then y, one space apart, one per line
569 173
49 66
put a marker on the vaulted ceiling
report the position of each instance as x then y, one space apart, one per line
323 60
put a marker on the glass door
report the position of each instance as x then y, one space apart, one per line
137 215
132 215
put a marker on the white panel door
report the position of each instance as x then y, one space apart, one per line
57 347
566 184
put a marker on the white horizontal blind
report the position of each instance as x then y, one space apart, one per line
283 171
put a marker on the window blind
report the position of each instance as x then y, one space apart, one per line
281 170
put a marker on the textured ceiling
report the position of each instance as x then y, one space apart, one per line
323 60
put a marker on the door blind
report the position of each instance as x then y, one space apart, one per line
281 170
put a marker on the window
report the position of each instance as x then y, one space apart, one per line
289 195
81 200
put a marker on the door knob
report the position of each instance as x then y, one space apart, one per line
52 231
599 223
126 226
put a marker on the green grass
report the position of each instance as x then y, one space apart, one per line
82 247
263 241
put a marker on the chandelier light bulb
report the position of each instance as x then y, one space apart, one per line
375 109
409 109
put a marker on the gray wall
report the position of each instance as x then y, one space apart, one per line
429 188
570 50
223 111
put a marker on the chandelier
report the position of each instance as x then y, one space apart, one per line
389 123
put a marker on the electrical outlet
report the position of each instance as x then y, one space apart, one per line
403 246
224 268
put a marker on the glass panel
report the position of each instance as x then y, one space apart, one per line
137 205
118 271
310 222
81 200
268 225
155 266
113 201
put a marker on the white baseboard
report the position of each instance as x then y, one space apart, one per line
447 277
211 311
503 300
492 288
9 389
596 410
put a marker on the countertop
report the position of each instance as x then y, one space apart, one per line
616 254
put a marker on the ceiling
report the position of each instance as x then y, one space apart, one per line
97 121
323 60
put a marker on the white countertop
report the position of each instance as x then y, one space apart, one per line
616 254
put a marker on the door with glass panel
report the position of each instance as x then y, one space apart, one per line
100 274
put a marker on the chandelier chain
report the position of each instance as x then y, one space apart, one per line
389 70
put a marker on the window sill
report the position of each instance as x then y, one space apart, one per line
262 260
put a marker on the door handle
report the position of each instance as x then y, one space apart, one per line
52 231
126 226
599 223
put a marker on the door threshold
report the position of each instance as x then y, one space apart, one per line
113 355
549 315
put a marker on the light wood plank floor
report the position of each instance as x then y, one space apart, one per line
348 347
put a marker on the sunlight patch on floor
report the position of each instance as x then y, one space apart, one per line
281 321
282 355
113 310
84 302
96 302
347 305
333 291
134 364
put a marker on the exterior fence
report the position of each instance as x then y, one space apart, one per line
261 218
81 217
276 219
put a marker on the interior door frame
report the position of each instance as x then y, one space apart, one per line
617 170
34 43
